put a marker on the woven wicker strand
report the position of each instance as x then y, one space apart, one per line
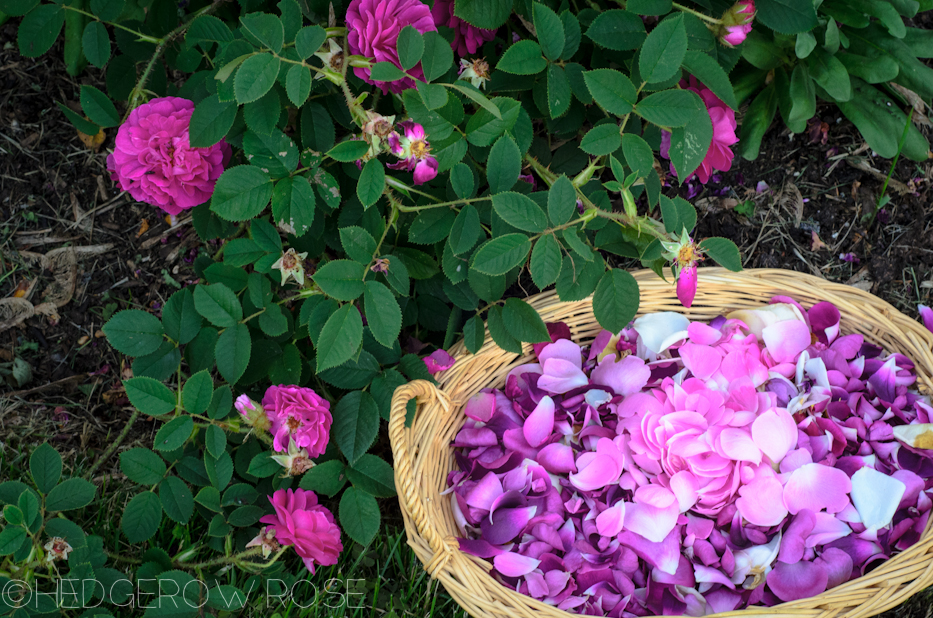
423 456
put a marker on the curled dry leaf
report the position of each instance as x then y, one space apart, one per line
64 266
92 142
791 201
14 311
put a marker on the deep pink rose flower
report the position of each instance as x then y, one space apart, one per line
301 414
719 156
154 162
373 27
467 38
301 522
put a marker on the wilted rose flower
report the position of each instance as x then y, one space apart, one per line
467 38
380 265
719 156
474 71
266 540
296 462
300 414
737 23
154 162
291 266
58 549
301 522
373 27
414 150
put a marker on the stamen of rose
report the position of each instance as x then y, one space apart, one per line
420 149
481 68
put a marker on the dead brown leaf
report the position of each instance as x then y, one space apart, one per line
92 142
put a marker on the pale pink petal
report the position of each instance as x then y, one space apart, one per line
775 433
702 360
876 496
560 376
760 502
685 486
786 340
514 565
817 487
738 445
610 522
704 334
540 423
557 458
652 523
759 319
710 575
562 348
601 470
655 495
625 377
480 407
828 529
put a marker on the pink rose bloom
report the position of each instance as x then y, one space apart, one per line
298 413
467 38
153 161
301 522
439 360
372 31
719 156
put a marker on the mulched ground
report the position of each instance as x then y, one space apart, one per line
55 192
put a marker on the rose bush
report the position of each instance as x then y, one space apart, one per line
373 181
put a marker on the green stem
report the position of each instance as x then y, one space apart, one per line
143 37
440 204
113 445
706 18
161 46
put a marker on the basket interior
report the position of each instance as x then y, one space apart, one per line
719 292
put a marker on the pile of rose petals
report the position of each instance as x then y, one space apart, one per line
682 467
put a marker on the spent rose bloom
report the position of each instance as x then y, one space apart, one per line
301 522
58 549
467 38
300 414
414 150
719 156
154 162
474 71
372 31
737 23
266 540
291 265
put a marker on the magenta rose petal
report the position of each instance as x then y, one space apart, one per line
798 581
560 376
511 564
625 377
507 523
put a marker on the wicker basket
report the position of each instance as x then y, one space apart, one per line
423 456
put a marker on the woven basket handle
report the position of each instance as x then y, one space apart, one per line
402 453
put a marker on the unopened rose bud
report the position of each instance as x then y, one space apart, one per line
253 412
737 23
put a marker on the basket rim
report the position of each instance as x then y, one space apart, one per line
440 554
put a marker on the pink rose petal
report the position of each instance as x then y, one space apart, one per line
817 487
786 340
540 423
